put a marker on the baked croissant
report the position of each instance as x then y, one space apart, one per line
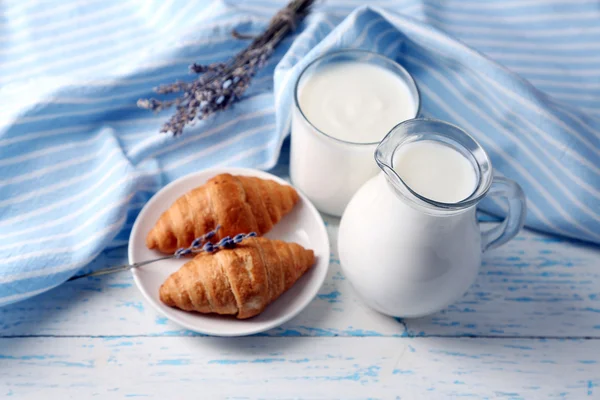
241 281
239 204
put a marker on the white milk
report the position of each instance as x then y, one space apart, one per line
435 171
357 103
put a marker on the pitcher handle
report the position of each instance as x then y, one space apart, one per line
515 219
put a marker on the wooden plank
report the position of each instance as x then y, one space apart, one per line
533 286
325 368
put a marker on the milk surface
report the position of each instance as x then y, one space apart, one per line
356 101
435 171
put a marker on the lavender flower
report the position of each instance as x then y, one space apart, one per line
201 244
197 243
219 85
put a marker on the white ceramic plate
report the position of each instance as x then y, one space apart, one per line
303 225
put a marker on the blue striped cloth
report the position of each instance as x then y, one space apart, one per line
78 160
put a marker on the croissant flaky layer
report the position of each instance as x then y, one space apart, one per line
241 281
239 204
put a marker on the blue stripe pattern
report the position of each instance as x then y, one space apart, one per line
78 160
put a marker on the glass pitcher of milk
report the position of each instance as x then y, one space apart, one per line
409 240
345 103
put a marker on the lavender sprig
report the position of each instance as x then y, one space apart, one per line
219 85
199 245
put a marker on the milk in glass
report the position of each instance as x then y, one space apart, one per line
343 110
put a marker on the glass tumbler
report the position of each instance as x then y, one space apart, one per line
327 169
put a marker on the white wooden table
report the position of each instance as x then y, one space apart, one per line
529 328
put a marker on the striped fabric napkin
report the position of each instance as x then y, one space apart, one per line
78 160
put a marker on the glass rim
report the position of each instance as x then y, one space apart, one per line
484 182
410 81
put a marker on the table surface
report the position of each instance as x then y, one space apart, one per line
528 328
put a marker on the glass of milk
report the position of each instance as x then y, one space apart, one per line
345 102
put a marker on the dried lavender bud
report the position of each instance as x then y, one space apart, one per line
211 234
208 247
150 104
229 244
199 68
223 241
182 252
178 86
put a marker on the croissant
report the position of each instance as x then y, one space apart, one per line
241 281
239 204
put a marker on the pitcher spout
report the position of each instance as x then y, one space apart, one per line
443 138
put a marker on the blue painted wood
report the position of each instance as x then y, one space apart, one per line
275 368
